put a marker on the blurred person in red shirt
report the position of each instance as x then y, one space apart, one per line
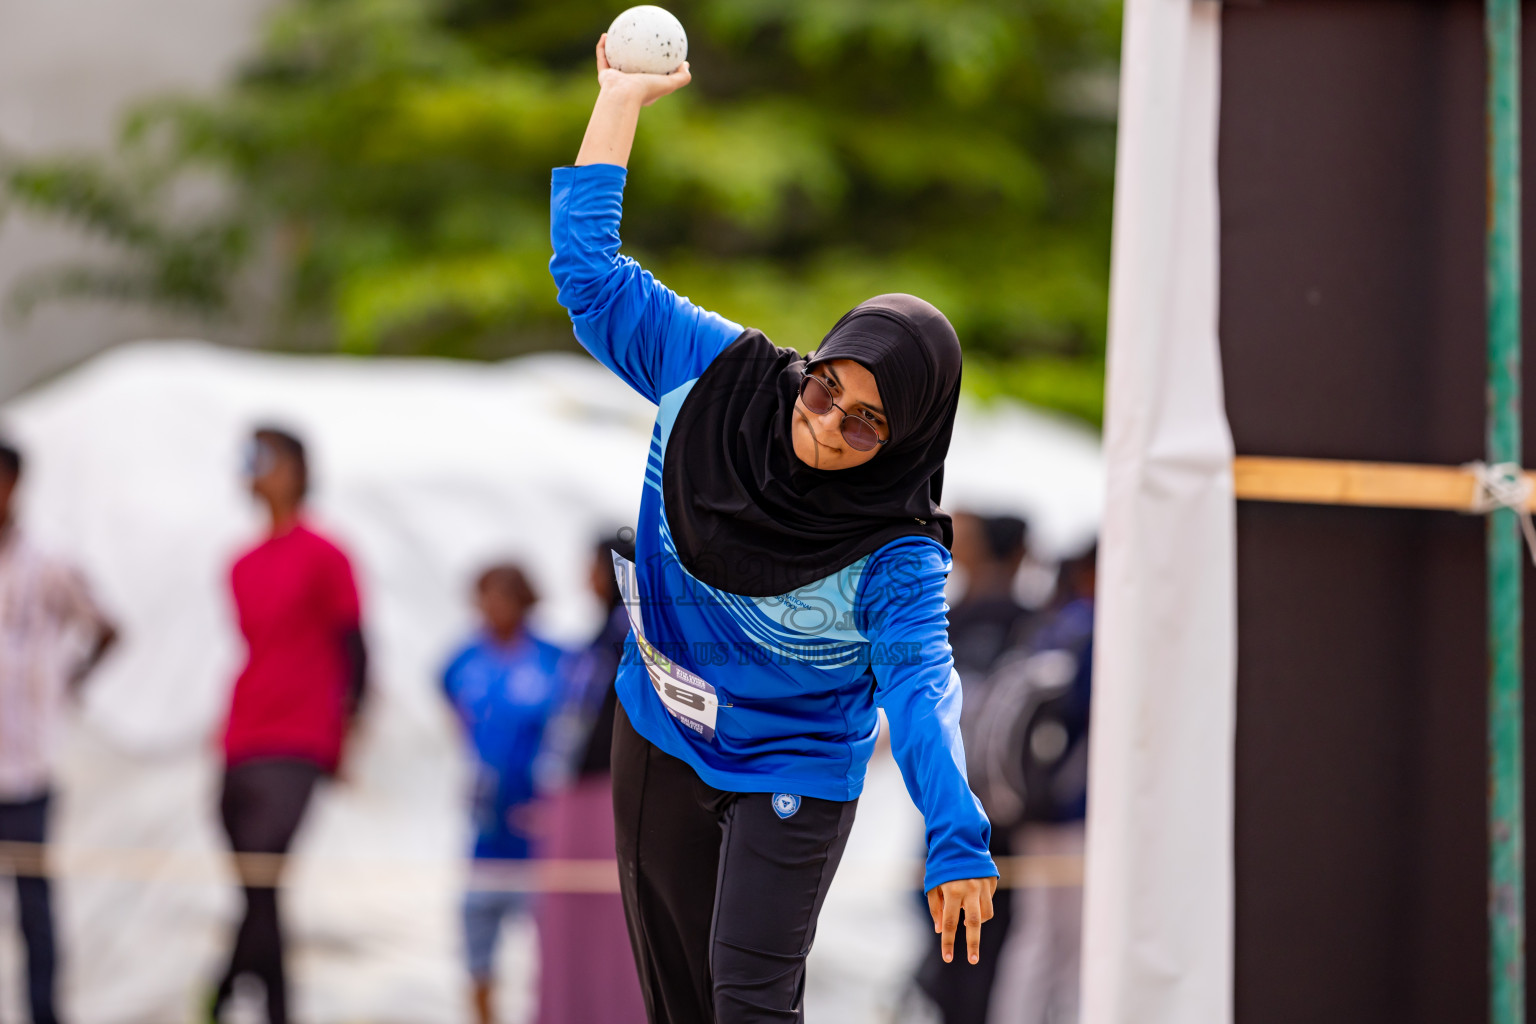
52 633
302 686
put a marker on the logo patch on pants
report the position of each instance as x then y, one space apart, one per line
785 804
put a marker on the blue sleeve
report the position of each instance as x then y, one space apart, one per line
451 671
901 611
450 680
555 662
653 338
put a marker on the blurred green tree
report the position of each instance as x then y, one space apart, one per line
384 165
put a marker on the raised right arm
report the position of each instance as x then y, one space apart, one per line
653 338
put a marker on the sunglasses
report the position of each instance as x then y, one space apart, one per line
859 432
258 459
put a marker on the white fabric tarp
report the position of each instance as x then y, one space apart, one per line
1158 912
424 470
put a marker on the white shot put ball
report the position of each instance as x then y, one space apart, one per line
647 38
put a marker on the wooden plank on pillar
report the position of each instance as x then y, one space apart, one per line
1374 484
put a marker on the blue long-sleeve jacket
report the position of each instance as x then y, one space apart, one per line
799 676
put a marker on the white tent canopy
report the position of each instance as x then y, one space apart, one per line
424 470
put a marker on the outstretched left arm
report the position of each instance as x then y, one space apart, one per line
904 616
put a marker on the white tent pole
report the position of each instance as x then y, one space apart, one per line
1158 900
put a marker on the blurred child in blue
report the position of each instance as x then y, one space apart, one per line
504 683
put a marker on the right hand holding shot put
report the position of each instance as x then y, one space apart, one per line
647 87
611 131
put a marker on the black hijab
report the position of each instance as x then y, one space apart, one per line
748 517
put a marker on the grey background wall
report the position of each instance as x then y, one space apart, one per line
68 68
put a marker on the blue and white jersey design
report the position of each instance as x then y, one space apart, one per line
813 625
799 676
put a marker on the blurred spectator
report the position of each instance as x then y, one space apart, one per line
504 684
983 623
301 687
988 619
1032 767
587 970
51 635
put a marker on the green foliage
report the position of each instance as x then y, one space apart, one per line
389 160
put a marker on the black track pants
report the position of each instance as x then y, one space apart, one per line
721 892
262 805
26 822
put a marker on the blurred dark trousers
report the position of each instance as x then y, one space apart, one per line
962 991
27 822
262 804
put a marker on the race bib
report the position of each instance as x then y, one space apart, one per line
688 698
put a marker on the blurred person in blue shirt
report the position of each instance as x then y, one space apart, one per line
503 684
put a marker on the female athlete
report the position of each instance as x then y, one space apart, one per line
788 581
